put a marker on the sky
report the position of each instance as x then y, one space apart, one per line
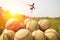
43 8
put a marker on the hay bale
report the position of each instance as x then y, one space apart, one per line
23 34
38 35
32 25
14 24
51 34
44 24
26 20
10 21
8 35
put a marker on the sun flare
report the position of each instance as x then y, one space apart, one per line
13 12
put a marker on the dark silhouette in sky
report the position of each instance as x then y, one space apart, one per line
31 6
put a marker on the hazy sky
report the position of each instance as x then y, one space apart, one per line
44 8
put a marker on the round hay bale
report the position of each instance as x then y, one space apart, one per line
8 35
51 34
14 24
38 35
10 21
32 25
44 24
51 30
23 34
26 20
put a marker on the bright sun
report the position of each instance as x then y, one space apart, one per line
22 9
13 12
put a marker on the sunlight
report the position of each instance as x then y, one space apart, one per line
13 12
20 10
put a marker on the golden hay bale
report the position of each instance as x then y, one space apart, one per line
32 25
14 24
38 35
44 24
23 34
8 35
26 20
51 34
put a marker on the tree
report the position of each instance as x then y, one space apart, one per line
2 16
